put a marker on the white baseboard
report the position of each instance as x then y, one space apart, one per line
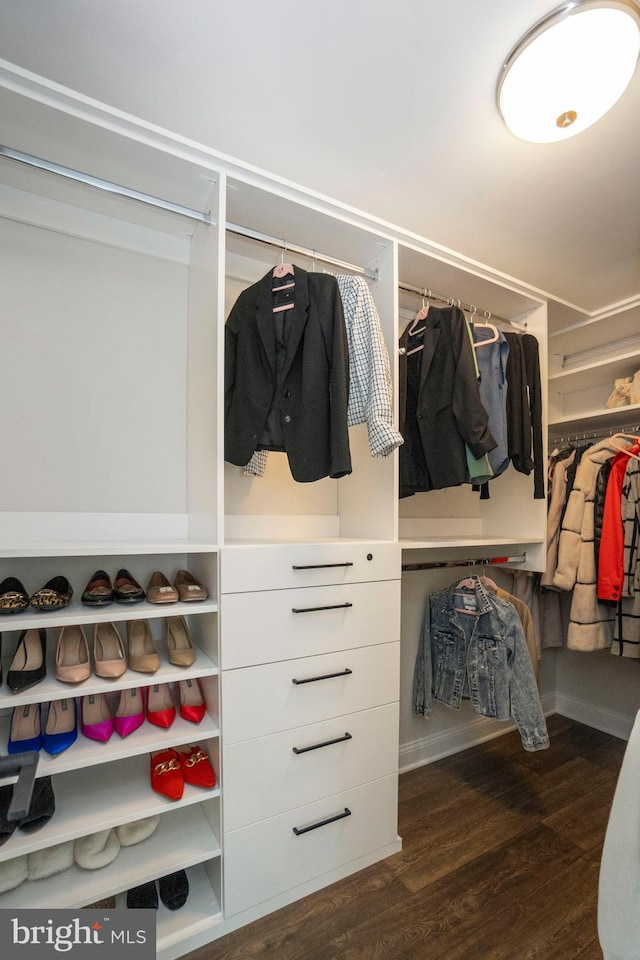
601 718
479 729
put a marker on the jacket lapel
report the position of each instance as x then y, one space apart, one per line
297 318
264 319
429 340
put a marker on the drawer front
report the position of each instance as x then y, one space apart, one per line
274 697
267 858
245 568
269 775
285 624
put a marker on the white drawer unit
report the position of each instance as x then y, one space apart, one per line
270 775
283 624
250 567
274 855
281 696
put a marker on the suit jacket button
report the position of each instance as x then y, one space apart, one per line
287 393
287 418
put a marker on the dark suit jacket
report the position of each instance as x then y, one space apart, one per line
310 386
450 412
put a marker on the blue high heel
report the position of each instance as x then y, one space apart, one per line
61 728
26 732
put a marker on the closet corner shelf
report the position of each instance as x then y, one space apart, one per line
103 548
435 543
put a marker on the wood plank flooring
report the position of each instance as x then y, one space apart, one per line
500 859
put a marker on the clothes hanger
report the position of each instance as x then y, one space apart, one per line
280 271
486 326
419 317
627 449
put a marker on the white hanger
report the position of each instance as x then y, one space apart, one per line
486 326
627 449
419 317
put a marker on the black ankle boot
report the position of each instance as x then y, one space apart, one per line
41 808
174 890
144 897
6 826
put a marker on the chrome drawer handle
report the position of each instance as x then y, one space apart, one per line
320 566
329 606
322 823
326 676
326 743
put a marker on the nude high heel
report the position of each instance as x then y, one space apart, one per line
143 656
108 651
72 655
179 646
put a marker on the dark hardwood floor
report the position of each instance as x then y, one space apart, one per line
500 860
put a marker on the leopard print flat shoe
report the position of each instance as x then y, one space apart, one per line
13 596
55 594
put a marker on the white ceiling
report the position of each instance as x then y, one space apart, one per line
388 107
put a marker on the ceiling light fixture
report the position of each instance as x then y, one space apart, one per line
569 69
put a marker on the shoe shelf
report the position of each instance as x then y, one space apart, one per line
119 793
78 613
146 739
52 689
183 838
201 911
103 548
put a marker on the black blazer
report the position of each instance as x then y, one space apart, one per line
450 412
310 387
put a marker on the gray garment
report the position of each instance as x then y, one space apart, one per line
486 647
370 391
557 500
492 362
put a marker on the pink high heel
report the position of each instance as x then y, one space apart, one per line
192 705
130 713
97 722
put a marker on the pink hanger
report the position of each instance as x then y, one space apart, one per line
283 270
487 326
627 449
419 317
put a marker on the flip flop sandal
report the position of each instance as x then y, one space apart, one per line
55 594
13 596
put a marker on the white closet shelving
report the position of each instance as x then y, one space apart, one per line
115 372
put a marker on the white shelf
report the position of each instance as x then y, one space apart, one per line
78 612
102 548
200 912
102 798
146 739
183 838
599 371
435 543
595 419
52 689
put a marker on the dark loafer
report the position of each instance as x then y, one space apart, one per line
29 664
127 588
13 596
99 590
55 594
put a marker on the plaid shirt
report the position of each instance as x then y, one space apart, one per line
370 393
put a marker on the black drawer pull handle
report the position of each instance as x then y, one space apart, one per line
320 566
322 823
326 676
326 743
329 606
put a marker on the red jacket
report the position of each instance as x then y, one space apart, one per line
611 555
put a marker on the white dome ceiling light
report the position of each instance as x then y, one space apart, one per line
569 69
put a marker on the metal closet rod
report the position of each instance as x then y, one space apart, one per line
471 308
475 562
117 189
287 247
633 428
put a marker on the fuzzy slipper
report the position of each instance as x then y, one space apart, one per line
144 897
96 850
13 873
137 831
50 860
174 890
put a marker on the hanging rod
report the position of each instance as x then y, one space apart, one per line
471 308
475 562
287 247
105 185
597 434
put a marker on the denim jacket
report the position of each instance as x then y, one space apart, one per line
486 647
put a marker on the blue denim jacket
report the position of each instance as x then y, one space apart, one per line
489 650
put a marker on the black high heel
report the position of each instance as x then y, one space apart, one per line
29 665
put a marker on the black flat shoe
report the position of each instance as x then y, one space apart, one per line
13 596
29 664
127 588
174 890
41 808
144 897
55 594
99 590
